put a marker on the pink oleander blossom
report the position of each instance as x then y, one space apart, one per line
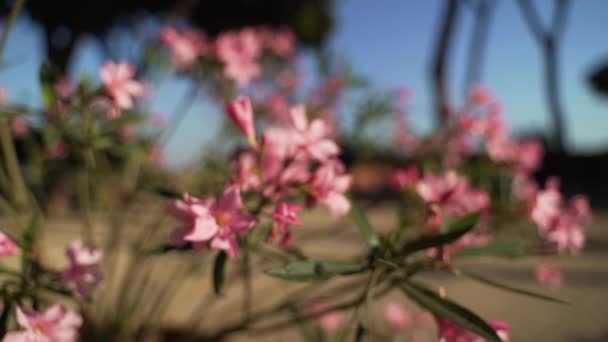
55 324
240 111
550 275
65 88
217 223
185 46
330 322
284 216
480 96
20 127
404 178
120 85
451 332
83 272
58 151
239 51
246 171
312 138
397 317
560 223
329 185
450 195
528 156
8 247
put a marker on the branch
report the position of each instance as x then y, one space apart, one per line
532 20
559 18
440 60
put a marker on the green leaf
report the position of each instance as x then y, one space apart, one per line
450 233
509 249
509 288
48 77
28 238
313 270
219 268
360 219
448 309
168 248
162 192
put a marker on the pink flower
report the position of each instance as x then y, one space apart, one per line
239 52
397 317
547 208
8 247
59 151
403 178
549 275
246 171
83 271
282 43
278 106
480 95
330 321
450 195
55 324
119 83
450 332
312 138
217 223
328 186
185 47
20 127
65 87
285 214
528 155
560 224
240 112
437 189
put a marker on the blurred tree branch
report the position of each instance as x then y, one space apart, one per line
549 41
440 60
482 10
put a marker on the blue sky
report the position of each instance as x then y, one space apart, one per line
390 42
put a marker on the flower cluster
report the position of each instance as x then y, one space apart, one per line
83 272
210 222
293 159
561 224
450 332
55 324
238 51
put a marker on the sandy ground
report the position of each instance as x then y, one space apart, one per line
532 320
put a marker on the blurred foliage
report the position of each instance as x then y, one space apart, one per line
65 21
598 78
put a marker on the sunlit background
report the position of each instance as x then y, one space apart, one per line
390 43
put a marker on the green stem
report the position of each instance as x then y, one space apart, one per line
85 206
8 148
12 163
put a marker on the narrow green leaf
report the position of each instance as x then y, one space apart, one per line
167 248
448 309
219 267
28 238
163 192
509 288
48 77
360 219
313 270
509 249
450 233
